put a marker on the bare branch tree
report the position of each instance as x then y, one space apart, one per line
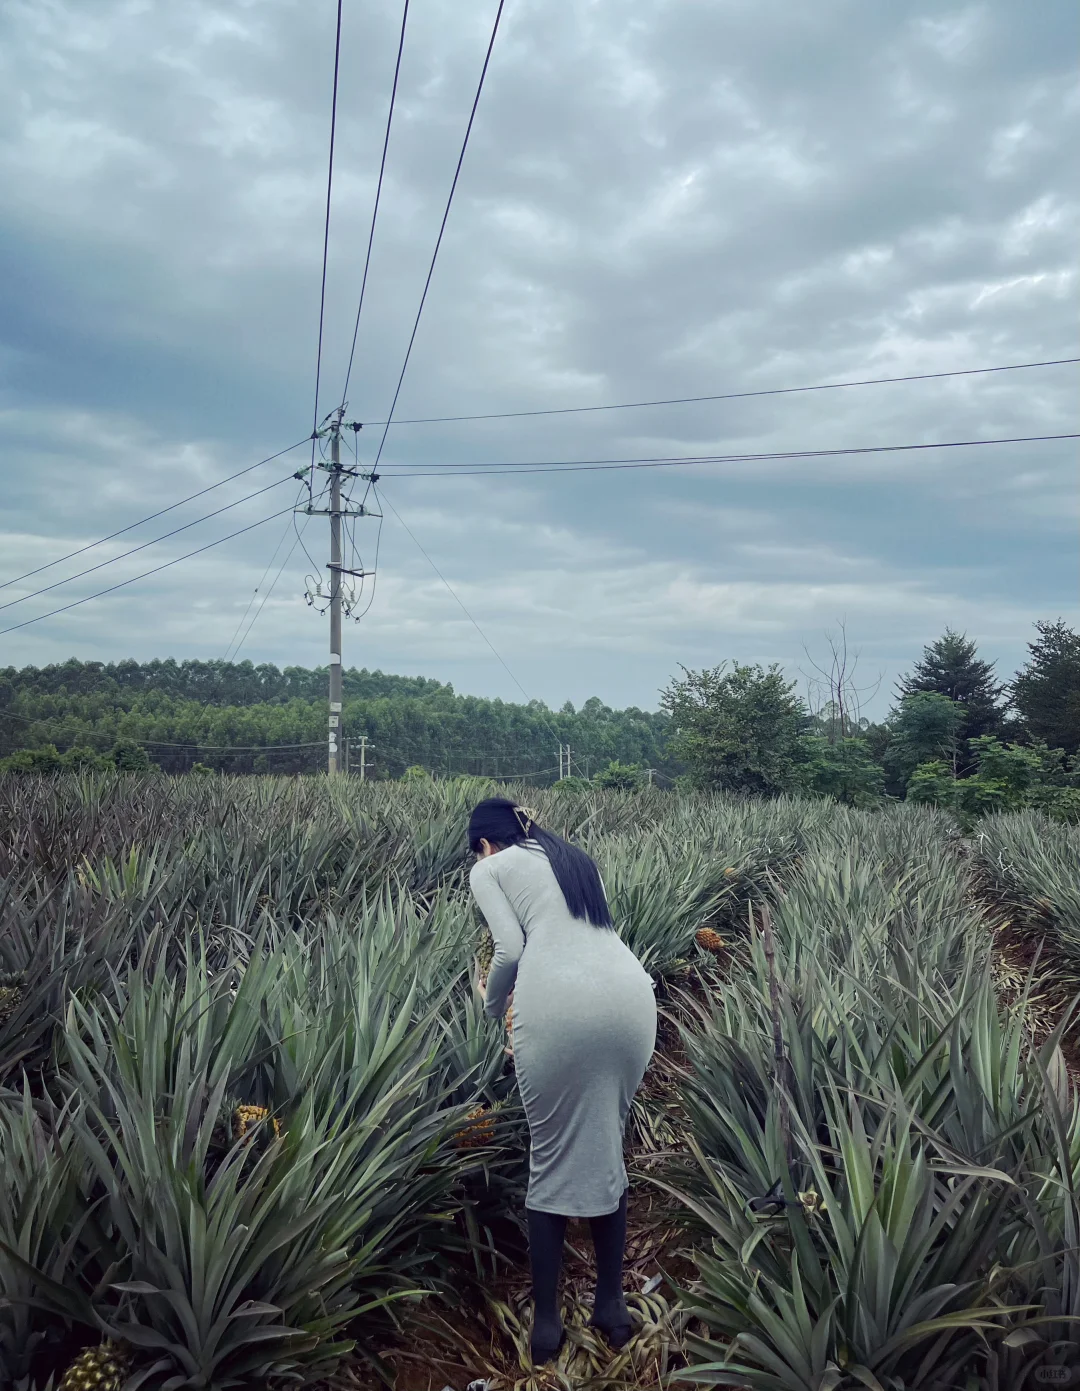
833 694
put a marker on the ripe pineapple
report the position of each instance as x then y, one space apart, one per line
103 1368
480 1133
485 954
711 941
244 1117
11 989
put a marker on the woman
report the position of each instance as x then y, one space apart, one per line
584 1029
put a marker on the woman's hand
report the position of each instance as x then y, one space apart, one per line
480 985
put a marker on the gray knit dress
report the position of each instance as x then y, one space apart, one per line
584 1030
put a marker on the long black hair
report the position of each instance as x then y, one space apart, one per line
502 823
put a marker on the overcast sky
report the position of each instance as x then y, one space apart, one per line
661 198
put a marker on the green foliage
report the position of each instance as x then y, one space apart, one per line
925 729
174 948
1032 864
416 773
737 729
201 770
41 760
572 784
951 668
1047 691
129 757
221 712
620 777
1059 803
1007 777
84 759
843 769
921 1242
933 784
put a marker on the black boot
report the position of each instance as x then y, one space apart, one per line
547 1234
610 1314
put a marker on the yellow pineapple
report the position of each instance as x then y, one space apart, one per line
480 1132
103 1368
710 941
11 991
244 1117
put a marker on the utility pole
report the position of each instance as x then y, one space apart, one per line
363 756
335 591
337 757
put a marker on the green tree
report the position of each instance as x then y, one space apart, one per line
42 760
925 729
951 667
130 757
844 770
933 783
1047 690
737 728
83 758
624 777
1008 777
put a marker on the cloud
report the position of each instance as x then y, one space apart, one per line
660 199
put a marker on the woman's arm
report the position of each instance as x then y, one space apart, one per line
505 933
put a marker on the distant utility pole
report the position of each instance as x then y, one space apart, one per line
564 761
364 746
332 426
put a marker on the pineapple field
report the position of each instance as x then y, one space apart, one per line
255 1131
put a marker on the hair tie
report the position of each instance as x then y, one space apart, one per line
526 819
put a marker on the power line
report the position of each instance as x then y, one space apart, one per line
378 196
674 460
153 515
226 748
266 596
47 589
145 575
326 232
442 229
262 581
460 603
455 597
728 395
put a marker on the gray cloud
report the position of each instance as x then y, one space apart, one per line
660 199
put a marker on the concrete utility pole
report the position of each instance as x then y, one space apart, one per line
364 746
332 426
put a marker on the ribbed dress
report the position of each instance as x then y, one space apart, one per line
584 1030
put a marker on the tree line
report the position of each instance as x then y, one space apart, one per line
238 717
956 736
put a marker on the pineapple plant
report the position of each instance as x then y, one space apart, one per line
710 941
103 1368
11 992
